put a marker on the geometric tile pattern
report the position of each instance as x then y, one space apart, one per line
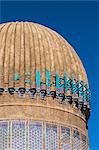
76 140
83 142
31 135
18 139
35 136
51 137
65 138
4 135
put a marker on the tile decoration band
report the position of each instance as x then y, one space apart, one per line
64 89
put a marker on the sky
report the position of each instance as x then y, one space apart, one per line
78 23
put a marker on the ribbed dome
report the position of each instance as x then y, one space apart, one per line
44 93
26 47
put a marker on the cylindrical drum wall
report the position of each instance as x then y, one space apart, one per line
41 125
36 135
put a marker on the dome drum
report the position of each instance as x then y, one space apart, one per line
39 135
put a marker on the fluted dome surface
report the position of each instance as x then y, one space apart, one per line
26 47
44 93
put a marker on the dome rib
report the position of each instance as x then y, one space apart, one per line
54 49
37 50
33 61
45 47
7 56
2 26
27 54
61 51
11 58
58 63
21 72
42 56
51 44
46 61
30 75
2 51
73 63
67 60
